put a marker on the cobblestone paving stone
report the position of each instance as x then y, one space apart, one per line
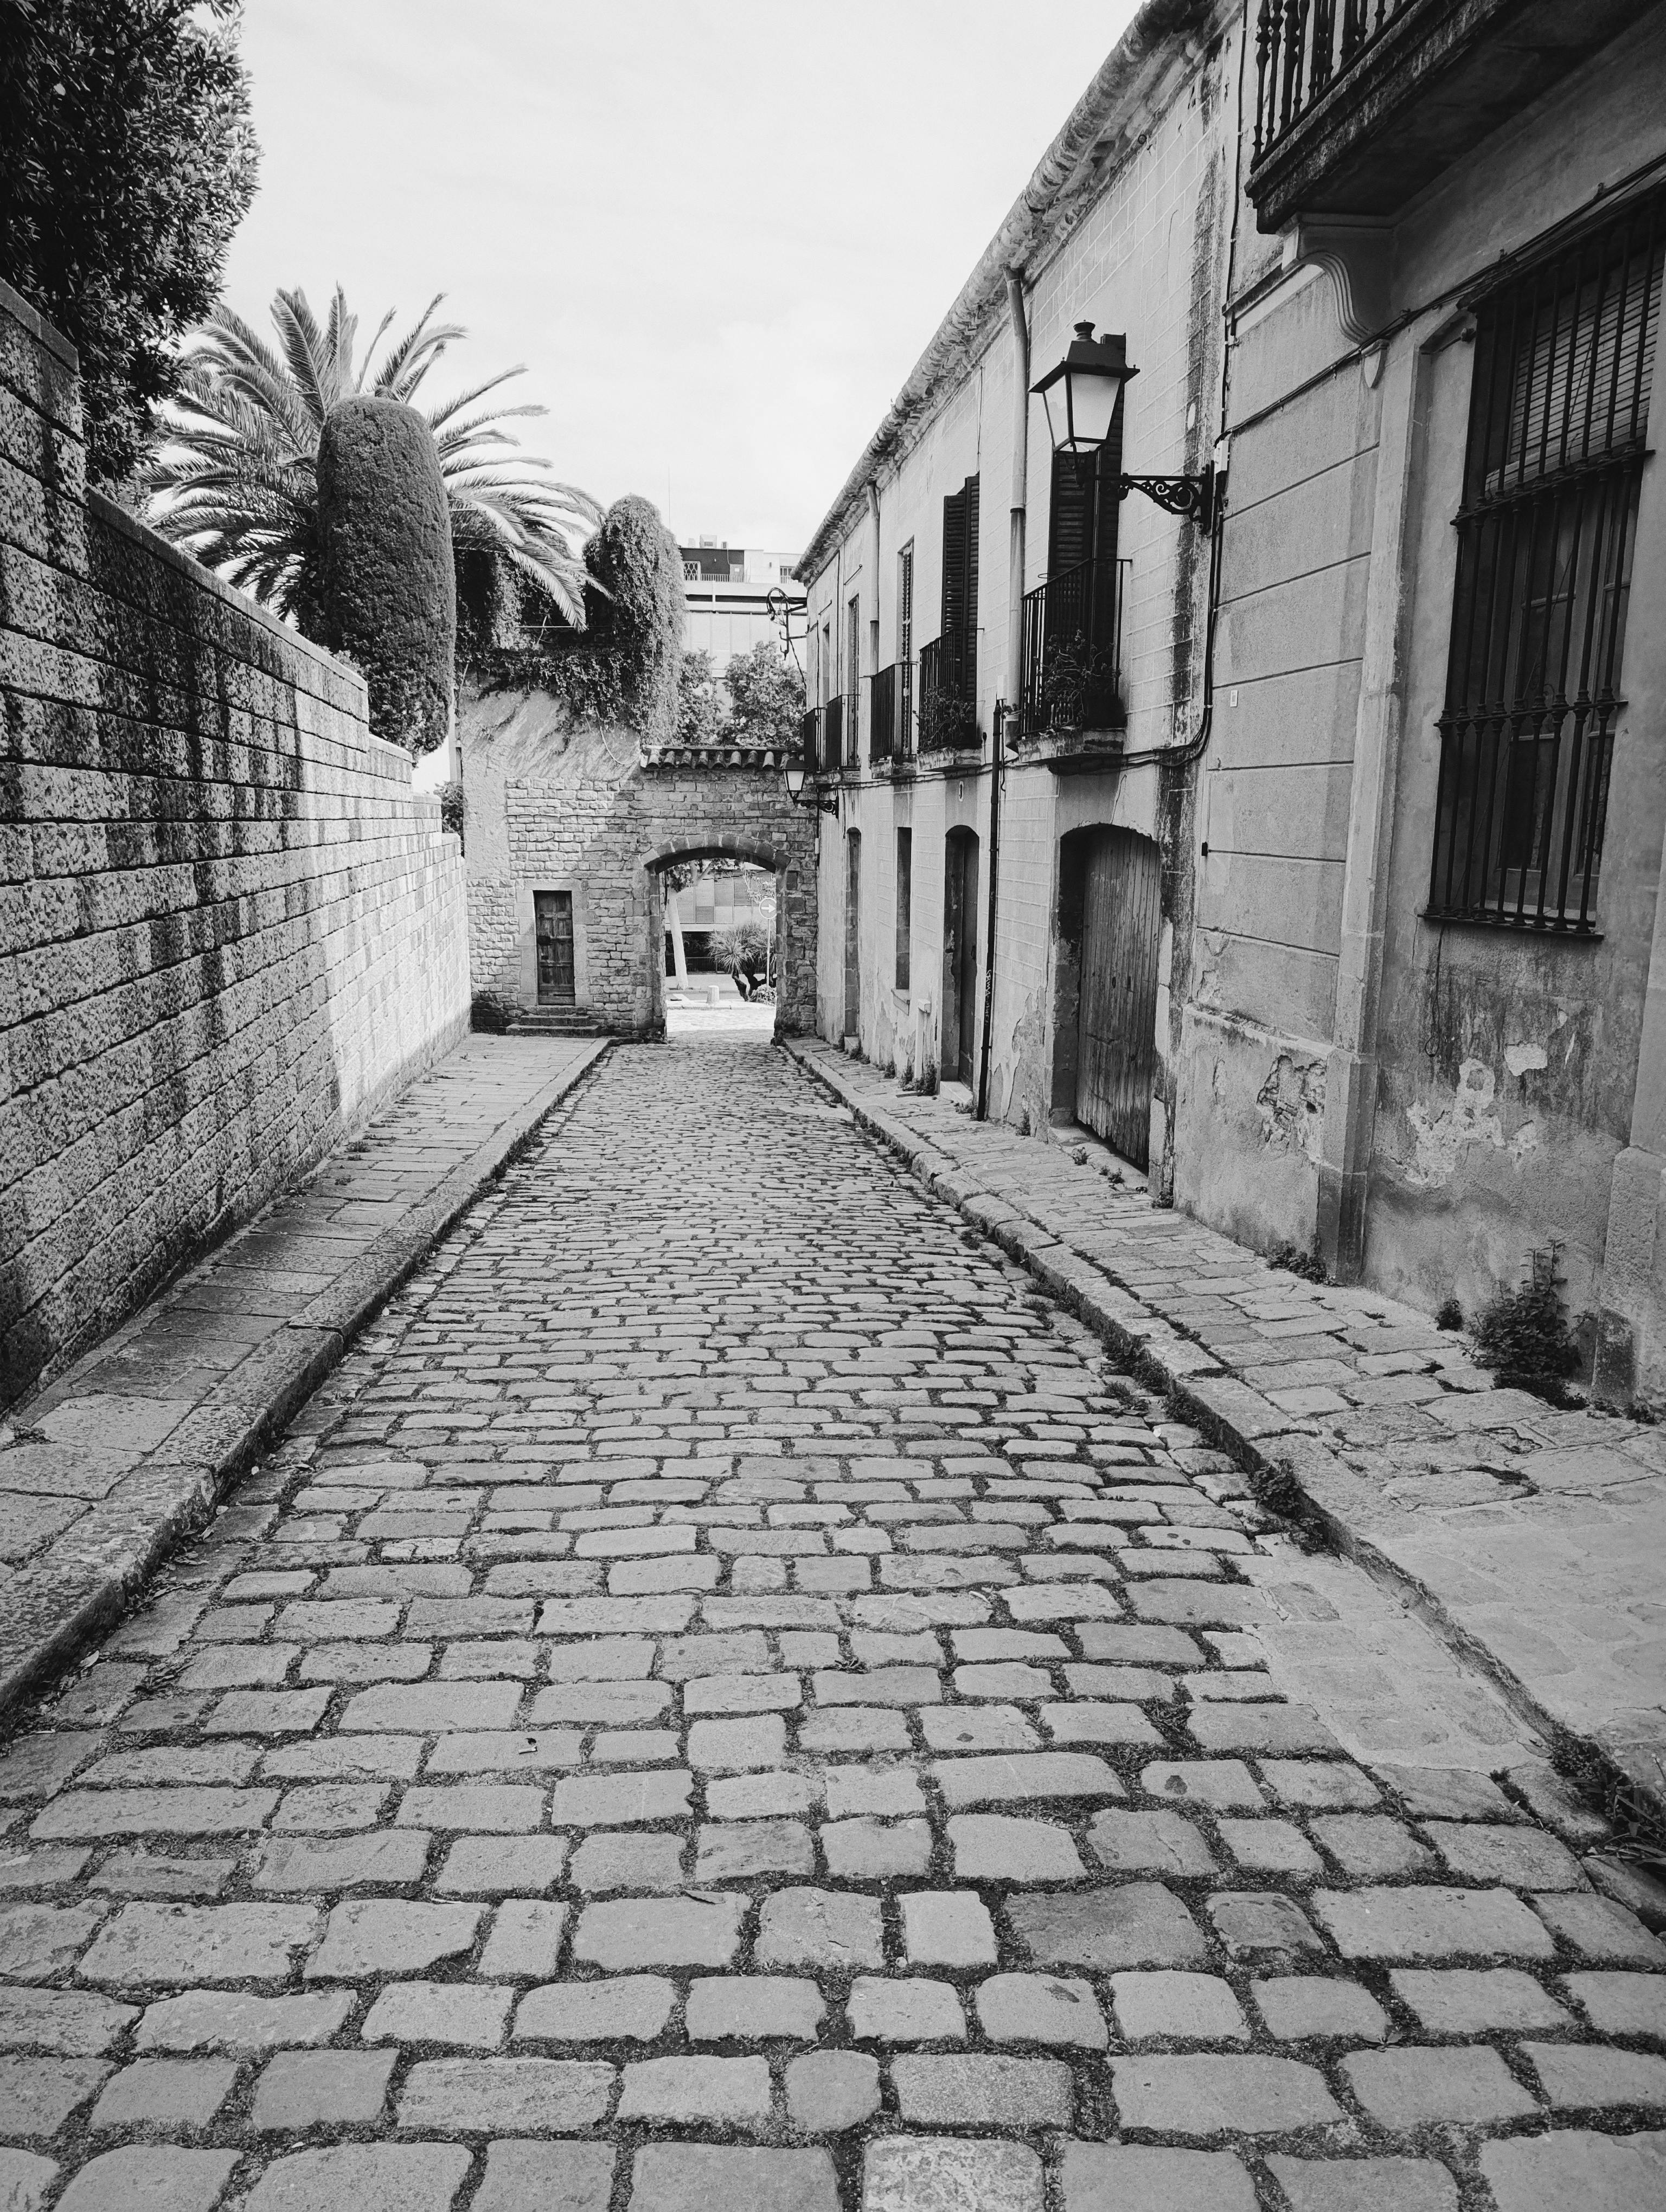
728 1696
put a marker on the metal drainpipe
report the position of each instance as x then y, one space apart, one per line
1014 654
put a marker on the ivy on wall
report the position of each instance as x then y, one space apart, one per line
625 664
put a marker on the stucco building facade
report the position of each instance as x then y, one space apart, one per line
1326 844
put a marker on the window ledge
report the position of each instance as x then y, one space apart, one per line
1559 932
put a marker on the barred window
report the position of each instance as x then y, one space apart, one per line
1558 420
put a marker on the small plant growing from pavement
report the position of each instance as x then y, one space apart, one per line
1290 1260
1523 1335
1450 1314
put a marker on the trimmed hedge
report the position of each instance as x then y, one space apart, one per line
389 588
637 612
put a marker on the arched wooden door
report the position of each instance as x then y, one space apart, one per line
1117 1051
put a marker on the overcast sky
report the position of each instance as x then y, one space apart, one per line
719 233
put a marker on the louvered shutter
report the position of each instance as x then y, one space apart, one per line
954 565
969 661
1070 516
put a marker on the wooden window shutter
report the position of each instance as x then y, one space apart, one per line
969 689
960 587
954 563
1070 516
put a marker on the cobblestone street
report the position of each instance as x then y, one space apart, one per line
728 1699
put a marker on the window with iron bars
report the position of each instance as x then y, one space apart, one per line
1558 424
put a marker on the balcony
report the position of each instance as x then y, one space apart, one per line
810 739
1072 701
1360 104
832 759
948 696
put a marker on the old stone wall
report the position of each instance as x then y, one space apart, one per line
556 805
227 927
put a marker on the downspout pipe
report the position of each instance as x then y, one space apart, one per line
1014 655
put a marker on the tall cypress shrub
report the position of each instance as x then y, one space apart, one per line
389 590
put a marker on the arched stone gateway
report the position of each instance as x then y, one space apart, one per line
567 831
792 864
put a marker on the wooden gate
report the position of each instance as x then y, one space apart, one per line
959 955
1117 1055
553 913
853 934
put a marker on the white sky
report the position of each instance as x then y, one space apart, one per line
719 233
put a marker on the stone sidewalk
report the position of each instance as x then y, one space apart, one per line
102 1472
1534 1538
728 1697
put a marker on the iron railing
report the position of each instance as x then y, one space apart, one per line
881 715
1073 650
853 729
948 708
833 734
1302 48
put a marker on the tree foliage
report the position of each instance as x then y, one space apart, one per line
767 693
699 700
237 483
757 703
389 587
127 159
635 609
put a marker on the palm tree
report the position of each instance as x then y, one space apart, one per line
236 482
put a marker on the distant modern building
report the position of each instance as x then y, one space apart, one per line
735 596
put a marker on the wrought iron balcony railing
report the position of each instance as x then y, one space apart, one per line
948 701
1360 104
1302 48
1073 651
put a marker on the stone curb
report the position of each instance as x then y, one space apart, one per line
1234 1417
80 1586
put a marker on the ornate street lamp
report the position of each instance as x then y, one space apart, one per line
796 775
1080 398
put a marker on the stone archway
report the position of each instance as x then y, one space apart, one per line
586 815
791 860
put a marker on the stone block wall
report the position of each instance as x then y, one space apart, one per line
554 805
228 929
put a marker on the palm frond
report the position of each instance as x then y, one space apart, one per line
236 478
304 350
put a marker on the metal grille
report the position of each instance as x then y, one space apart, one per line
1559 416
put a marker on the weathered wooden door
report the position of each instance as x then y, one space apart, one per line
959 955
1116 1056
853 934
553 912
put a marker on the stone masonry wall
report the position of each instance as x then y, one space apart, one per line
227 928
552 807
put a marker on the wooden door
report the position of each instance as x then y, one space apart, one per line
553 913
959 955
853 934
1116 1054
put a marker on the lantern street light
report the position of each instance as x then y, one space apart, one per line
1080 396
796 775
